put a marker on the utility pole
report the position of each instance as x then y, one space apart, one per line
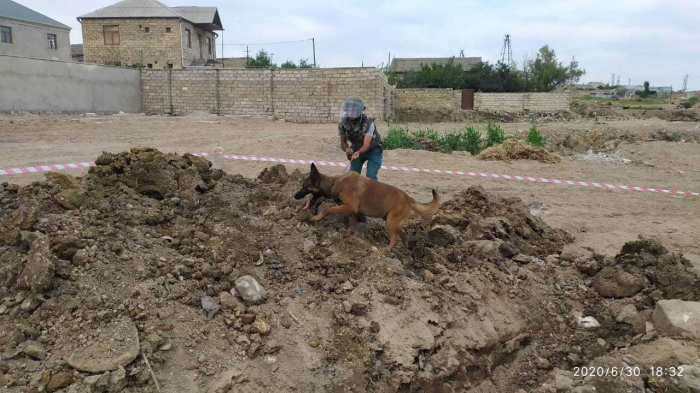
247 54
685 83
612 83
629 81
618 80
313 42
389 63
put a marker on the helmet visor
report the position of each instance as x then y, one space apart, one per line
351 109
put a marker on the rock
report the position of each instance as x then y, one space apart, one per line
585 389
542 363
116 344
117 380
359 309
428 275
588 323
210 307
347 286
81 257
3 308
442 235
35 350
91 380
691 378
243 340
229 302
628 314
678 318
508 249
314 343
574 253
617 283
253 350
261 327
563 380
694 263
248 319
39 269
347 306
374 327
308 245
286 323
619 383
59 381
250 290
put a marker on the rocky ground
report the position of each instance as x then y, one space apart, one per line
155 272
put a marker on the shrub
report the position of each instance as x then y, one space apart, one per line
494 134
534 137
399 138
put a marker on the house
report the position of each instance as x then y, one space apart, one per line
403 65
27 33
151 34
233 62
76 53
594 85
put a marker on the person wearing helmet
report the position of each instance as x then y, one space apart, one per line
359 138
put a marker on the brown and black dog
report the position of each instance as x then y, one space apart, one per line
357 195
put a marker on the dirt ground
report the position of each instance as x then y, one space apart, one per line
209 273
603 219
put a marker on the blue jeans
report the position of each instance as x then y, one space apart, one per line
374 162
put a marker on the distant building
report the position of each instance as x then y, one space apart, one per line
232 62
150 33
76 53
402 65
27 33
595 85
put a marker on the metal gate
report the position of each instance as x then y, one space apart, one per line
468 99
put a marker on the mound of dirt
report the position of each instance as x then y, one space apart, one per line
224 286
513 149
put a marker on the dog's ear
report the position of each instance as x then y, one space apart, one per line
315 174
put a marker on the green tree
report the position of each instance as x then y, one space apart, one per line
304 63
450 75
288 64
545 73
261 60
646 93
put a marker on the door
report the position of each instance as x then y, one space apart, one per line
468 99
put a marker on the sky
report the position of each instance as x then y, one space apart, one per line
637 40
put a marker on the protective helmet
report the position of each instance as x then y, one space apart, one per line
351 108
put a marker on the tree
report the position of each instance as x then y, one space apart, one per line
450 75
545 73
646 93
288 64
261 60
304 63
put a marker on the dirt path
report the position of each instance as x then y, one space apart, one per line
604 219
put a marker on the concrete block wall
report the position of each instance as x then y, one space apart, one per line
298 95
519 102
430 99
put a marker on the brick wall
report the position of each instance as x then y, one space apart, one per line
431 99
451 100
159 46
518 102
298 95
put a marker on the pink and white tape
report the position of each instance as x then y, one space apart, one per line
605 186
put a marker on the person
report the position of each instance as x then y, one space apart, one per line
359 137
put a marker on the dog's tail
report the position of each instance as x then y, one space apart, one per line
426 210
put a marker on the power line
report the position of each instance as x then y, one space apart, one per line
274 43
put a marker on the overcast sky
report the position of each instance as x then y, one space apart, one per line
655 40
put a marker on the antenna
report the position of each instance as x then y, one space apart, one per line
506 51
618 80
461 53
612 83
685 83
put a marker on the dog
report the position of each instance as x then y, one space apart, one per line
358 195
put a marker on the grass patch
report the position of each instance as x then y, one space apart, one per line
399 138
467 139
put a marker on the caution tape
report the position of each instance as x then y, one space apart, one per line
533 179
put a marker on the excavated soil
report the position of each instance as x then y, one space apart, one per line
141 265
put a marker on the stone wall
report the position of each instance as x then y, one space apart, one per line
428 99
519 102
447 100
298 95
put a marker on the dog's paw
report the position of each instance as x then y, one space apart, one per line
316 218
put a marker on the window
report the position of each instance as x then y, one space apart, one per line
209 44
6 34
150 65
52 41
148 29
189 37
167 30
111 35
